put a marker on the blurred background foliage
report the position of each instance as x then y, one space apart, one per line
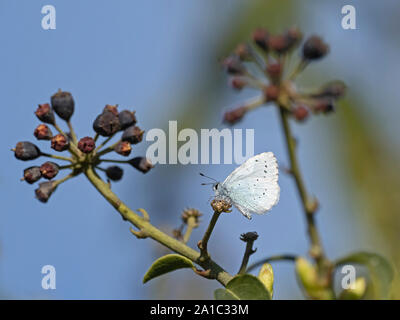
350 159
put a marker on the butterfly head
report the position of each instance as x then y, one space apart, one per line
216 186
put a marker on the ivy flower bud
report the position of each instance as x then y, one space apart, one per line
274 70
59 142
235 115
233 65
49 170
141 163
106 124
293 37
44 191
86 144
45 113
300 113
123 148
278 43
260 37
32 174
133 134
63 104
243 52
220 206
238 83
314 48
43 132
26 150
126 119
114 173
271 93
191 212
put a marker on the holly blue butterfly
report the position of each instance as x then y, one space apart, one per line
253 186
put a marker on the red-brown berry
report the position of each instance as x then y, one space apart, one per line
141 163
233 65
235 115
279 43
86 144
43 132
324 106
45 113
59 142
271 93
63 104
32 174
260 37
238 83
300 113
133 134
26 150
49 170
314 48
123 148
274 70
111 108
114 173
106 124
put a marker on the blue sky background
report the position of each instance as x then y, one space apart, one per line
146 55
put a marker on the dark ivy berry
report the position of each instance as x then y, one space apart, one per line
32 174
43 132
123 148
314 48
133 134
260 37
141 163
106 124
293 37
59 142
86 144
45 113
49 170
300 113
63 104
114 173
44 191
126 119
26 150
279 43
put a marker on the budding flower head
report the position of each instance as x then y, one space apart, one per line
106 124
220 206
260 37
133 134
314 48
59 142
49 170
141 163
32 174
63 104
44 191
126 119
86 144
233 65
123 148
45 113
26 150
300 113
114 173
235 115
43 132
190 212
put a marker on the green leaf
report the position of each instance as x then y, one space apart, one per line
166 264
380 272
243 287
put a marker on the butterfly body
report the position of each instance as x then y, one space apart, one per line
253 186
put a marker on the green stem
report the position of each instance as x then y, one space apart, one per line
115 161
72 131
56 157
308 207
108 149
144 225
204 242
101 145
191 224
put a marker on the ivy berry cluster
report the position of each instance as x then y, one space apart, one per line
83 153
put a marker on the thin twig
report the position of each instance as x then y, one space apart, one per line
282 257
204 242
56 157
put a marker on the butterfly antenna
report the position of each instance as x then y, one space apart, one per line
203 175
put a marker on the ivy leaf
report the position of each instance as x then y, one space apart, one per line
243 287
167 263
380 272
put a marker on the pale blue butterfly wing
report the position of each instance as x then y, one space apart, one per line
252 187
